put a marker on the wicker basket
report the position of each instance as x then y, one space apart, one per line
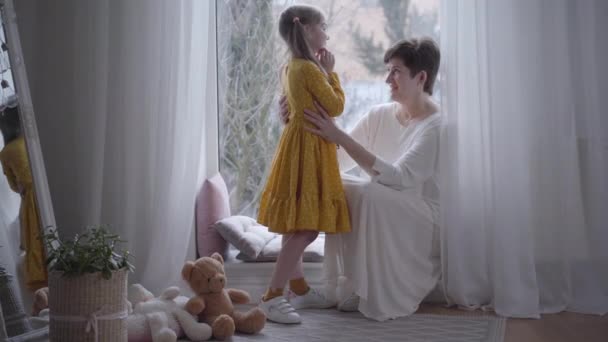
75 304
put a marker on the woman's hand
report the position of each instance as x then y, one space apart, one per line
327 60
325 125
327 129
284 110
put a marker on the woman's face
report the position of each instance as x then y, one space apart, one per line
404 86
317 36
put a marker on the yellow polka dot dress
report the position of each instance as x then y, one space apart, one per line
304 189
16 167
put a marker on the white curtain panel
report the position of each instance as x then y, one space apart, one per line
120 90
525 155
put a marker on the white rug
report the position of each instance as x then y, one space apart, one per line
331 325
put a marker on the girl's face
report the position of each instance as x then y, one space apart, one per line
317 36
405 87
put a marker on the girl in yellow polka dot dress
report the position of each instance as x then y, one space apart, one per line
303 195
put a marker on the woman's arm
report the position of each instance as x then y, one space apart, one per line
326 128
360 133
414 167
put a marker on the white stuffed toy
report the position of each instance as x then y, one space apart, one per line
162 319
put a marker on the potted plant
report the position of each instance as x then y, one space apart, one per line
87 286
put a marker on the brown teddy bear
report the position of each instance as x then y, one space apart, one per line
214 304
41 301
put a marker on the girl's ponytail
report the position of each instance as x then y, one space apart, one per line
291 28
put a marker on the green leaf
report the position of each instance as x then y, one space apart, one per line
90 252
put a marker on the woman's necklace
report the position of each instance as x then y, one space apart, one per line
404 118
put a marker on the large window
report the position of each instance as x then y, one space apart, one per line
250 53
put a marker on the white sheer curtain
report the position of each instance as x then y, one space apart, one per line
525 155
121 91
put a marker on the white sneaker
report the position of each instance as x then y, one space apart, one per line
350 304
279 310
313 299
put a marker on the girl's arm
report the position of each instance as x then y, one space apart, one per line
327 91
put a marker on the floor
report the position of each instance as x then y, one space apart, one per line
561 327
330 325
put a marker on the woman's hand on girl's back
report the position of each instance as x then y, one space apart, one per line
327 60
324 125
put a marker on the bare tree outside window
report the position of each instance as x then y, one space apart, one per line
402 20
250 56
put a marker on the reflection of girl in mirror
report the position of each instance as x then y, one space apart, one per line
16 167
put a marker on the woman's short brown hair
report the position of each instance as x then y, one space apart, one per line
418 55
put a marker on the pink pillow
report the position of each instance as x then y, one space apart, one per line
212 205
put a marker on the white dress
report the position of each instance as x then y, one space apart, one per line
391 257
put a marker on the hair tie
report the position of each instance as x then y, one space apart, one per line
296 20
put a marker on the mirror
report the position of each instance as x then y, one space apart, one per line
25 206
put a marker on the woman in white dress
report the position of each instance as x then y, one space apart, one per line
390 261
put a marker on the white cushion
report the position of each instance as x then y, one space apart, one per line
270 252
245 234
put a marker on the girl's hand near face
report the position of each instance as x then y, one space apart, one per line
327 60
